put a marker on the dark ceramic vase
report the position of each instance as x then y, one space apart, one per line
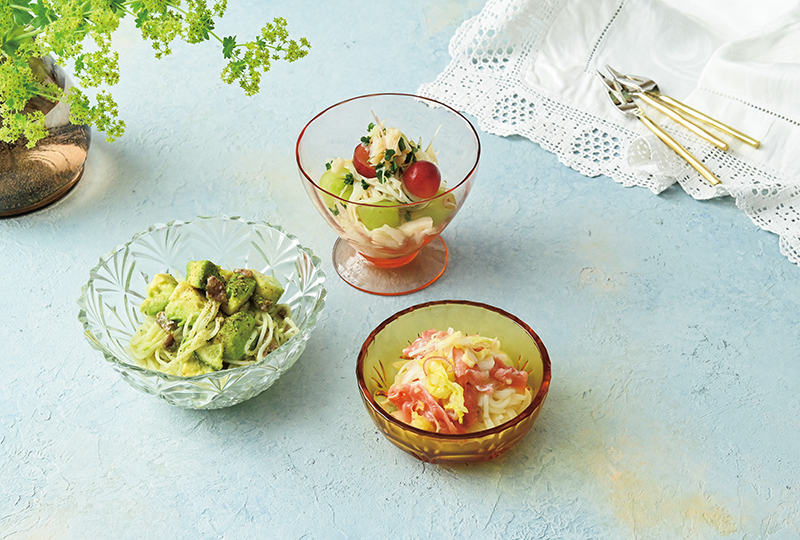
31 178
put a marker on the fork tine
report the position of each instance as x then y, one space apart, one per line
612 89
633 83
603 78
617 94
620 77
611 84
614 72
615 85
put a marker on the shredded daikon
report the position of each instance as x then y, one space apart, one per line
454 383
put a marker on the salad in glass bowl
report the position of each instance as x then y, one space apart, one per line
453 381
153 318
386 192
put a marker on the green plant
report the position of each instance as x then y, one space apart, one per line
79 31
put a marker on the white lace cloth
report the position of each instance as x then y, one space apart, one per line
527 67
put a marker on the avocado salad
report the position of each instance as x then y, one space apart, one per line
214 319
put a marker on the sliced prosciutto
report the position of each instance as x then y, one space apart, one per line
449 382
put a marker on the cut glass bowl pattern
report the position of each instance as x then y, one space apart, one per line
110 301
375 373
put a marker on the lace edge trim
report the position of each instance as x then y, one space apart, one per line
477 103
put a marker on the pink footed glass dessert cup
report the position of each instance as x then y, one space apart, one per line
388 247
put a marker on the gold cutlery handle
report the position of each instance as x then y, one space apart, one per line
675 117
680 150
708 120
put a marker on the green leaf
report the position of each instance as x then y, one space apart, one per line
141 18
43 15
20 5
33 28
117 6
79 65
23 18
21 12
228 45
205 28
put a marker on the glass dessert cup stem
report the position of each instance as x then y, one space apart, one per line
390 277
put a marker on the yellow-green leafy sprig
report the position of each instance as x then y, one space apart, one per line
34 29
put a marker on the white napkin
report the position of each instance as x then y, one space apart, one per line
527 67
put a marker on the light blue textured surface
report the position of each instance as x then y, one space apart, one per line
672 326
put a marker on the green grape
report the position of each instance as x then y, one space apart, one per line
374 218
336 183
438 210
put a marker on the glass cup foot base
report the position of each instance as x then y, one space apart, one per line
423 270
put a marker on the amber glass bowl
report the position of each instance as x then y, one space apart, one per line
375 373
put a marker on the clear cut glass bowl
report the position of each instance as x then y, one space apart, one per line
109 302
375 373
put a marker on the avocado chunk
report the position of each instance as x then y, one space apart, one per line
226 274
268 291
198 272
185 304
193 367
211 355
238 290
158 292
234 335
